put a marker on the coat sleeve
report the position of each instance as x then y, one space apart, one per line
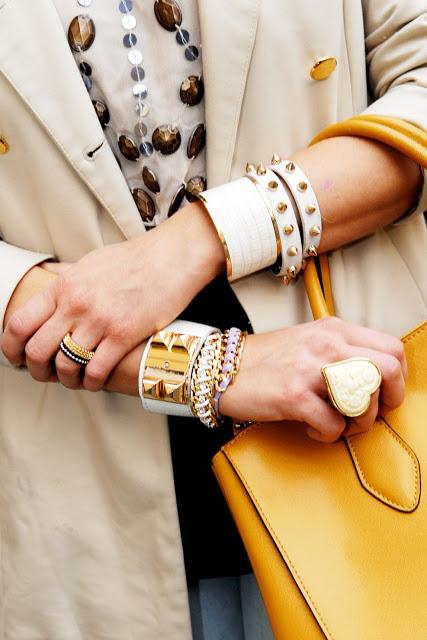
396 52
14 264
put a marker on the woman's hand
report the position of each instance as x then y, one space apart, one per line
124 378
280 376
114 298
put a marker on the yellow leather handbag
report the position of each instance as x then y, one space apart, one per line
337 534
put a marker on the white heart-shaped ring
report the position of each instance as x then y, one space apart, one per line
351 383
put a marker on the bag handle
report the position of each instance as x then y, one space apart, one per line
321 304
400 491
398 134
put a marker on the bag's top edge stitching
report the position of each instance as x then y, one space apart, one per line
415 332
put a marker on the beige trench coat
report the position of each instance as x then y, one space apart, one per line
89 538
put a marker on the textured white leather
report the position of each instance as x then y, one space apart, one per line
182 327
243 221
293 176
282 219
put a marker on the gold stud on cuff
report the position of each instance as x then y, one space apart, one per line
275 159
167 367
261 170
292 272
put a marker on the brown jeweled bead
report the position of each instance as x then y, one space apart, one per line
81 33
177 200
195 186
102 112
168 14
150 180
145 204
128 147
166 139
197 141
192 90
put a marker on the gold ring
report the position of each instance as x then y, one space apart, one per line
351 383
77 350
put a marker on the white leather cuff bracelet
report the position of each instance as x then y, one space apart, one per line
244 224
307 204
282 210
164 381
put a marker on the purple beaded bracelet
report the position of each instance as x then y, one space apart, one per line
226 376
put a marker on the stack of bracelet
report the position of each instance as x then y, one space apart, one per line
269 218
296 211
203 378
216 368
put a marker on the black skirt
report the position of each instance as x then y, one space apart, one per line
212 547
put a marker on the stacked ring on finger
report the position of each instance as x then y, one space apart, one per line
306 202
283 213
75 352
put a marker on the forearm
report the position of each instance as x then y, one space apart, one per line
361 186
124 378
331 194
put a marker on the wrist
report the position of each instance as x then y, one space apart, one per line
204 253
231 400
124 378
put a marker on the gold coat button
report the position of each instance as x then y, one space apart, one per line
4 146
323 68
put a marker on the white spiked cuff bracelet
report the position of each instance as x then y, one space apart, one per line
282 210
306 202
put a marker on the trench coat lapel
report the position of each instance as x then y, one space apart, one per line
228 29
36 59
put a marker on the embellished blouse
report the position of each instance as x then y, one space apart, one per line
141 64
